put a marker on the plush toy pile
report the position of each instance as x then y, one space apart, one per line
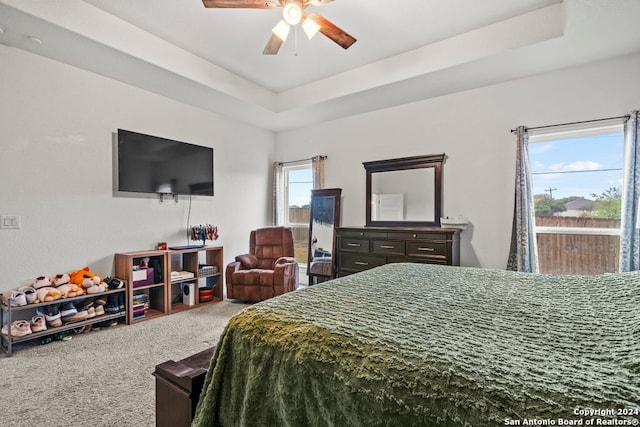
58 290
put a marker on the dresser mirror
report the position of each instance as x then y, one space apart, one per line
404 192
324 218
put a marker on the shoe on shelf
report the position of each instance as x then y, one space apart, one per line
114 283
67 309
71 314
112 305
91 312
78 317
106 323
99 310
121 303
19 328
38 323
29 293
84 304
51 314
17 299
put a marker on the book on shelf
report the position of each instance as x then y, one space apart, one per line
181 275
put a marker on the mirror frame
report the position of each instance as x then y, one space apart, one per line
336 193
416 162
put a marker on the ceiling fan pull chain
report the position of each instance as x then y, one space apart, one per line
295 40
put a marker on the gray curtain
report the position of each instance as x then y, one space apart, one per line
523 254
278 214
630 232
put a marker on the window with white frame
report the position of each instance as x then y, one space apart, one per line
577 187
297 183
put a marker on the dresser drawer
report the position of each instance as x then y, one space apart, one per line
357 232
388 247
427 248
352 244
357 262
420 260
420 236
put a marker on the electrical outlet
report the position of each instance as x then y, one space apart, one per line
10 221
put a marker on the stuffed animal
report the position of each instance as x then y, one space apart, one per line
48 293
70 290
88 280
41 282
60 279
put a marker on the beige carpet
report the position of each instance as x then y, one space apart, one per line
103 378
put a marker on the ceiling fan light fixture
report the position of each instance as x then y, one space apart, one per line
310 27
292 13
281 30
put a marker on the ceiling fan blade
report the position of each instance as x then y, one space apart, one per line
273 45
330 30
246 4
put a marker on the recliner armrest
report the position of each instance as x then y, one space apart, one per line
285 275
285 260
248 261
232 267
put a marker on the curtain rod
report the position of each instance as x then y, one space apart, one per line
300 160
576 123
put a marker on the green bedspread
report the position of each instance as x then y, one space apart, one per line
417 344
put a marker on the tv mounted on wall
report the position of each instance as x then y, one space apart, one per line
150 164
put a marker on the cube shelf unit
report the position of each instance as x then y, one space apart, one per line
190 260
162 292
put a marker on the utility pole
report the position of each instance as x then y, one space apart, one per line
551 190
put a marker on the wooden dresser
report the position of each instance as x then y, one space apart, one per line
362 248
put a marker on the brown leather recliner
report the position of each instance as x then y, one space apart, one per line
269 268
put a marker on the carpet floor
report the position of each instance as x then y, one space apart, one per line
103 378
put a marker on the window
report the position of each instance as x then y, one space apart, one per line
577 187
297 185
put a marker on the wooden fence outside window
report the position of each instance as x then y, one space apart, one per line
589 245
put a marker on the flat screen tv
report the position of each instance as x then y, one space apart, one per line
150 164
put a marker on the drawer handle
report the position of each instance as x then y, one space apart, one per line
361 263
387 246
426 249
357 245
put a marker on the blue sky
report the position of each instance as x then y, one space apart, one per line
300 185
581 160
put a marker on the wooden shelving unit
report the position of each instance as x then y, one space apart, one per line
164 294
191 260
26 311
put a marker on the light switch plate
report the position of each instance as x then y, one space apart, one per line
9 221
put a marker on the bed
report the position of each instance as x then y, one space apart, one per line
417 344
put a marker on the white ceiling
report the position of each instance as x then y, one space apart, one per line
406 51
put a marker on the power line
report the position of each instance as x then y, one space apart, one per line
589 170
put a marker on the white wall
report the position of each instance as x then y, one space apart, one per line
472 128
57 124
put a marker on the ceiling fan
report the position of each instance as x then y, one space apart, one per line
293 13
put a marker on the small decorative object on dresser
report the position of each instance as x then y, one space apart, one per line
363 248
